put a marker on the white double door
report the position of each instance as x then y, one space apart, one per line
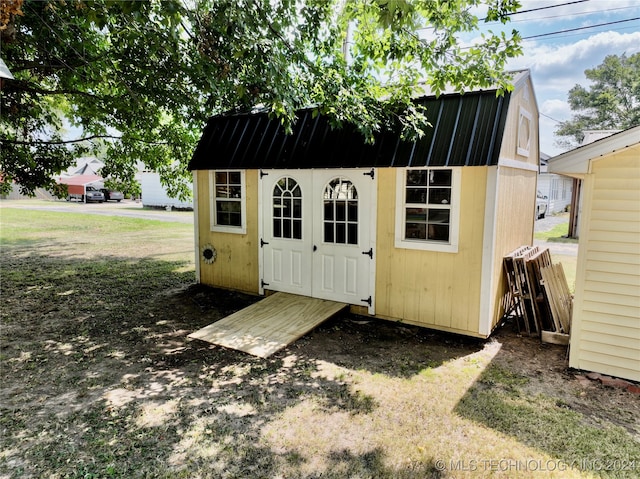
316 233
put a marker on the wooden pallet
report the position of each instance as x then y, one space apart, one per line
538 296
518 302
555 285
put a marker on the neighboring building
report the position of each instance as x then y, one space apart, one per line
556 188
87 165
77 185
405 231
576 190
155 195
605 331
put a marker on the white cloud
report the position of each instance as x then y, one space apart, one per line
555 108
561 66
556 68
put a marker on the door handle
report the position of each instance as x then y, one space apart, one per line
315 248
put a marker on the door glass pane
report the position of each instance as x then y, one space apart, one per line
341 233
352 233
352 211
297 229
328 232
340 212
328 210
287 209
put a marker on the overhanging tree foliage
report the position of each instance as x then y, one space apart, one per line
137 80
612 101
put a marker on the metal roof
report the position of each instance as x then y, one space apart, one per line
80 180
467 131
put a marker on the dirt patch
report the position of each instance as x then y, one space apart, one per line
100 380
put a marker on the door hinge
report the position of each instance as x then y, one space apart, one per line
368 301
263 284
371 173
262 243
262 173
369 253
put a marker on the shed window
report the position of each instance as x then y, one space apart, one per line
427 209
524 133
228 210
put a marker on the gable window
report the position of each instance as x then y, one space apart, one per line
524 133
228 207
427 209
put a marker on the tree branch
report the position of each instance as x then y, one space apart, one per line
79 140
26 86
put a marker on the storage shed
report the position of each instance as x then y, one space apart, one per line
605 331
406 231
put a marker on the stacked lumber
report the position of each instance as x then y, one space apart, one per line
538 298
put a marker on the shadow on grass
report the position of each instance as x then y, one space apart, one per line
561 427
100 380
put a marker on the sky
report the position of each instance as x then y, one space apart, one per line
557 62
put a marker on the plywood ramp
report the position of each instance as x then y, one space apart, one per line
270 324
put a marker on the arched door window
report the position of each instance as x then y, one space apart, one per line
340 212
287 209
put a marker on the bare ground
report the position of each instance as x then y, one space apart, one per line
100 380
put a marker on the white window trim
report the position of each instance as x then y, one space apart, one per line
522 151
454 225
242 229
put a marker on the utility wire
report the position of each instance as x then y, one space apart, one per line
573 15
579 28
547 116
544 8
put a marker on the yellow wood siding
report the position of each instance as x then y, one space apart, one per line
606 317
515 206
432 289
521 98
236 266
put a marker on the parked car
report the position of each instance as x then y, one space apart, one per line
541 205
91 194
112 195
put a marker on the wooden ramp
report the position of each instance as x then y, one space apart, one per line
270 324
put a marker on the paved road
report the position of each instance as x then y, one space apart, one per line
124 208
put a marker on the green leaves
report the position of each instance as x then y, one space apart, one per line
612 101
148 74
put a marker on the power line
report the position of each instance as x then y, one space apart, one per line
579 28
573 15
547 116
544 8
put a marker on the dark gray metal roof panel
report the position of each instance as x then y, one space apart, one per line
466 131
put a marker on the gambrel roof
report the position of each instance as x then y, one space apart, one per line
467 131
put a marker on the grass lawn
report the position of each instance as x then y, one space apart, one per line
100 381
557 234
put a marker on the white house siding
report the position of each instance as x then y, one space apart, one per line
557 189
155 195
559 193
606 318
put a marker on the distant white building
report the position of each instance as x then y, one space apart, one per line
155 195
556 188
87 165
